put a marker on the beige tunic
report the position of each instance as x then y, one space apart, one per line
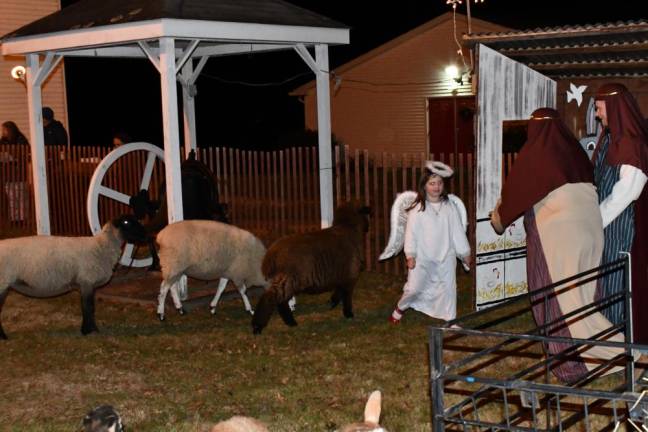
570 228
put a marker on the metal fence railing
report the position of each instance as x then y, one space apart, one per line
485 376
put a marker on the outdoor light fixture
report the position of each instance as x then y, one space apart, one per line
454 75
452 72
18 73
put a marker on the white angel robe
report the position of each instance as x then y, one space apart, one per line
435 238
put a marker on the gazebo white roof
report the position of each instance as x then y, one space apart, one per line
172 34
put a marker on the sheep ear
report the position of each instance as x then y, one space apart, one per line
372 409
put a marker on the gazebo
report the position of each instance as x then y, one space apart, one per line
178 37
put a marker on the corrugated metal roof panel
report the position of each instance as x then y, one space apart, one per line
616 49
562 31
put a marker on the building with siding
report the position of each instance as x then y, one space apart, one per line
397 97
13 94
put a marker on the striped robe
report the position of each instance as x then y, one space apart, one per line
618 235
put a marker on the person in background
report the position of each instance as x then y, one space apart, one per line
620 174
53 130
12 135
120 138
15 181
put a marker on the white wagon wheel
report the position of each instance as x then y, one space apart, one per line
96 189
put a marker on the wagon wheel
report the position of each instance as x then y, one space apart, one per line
96 189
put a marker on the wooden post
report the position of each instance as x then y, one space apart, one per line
324 135
300 177
368 256
282 179
338 176
347 174
385 203
171 129
37 143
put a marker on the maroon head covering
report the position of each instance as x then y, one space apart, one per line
550 158
628 129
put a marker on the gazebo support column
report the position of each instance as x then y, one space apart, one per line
324 134
320 65
171 129
36 75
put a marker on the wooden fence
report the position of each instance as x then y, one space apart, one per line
269 193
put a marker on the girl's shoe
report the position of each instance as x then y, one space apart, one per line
396 316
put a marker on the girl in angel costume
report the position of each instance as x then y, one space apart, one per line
432 226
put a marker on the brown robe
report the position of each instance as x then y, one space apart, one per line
550 158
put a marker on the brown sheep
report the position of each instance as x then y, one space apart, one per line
316 262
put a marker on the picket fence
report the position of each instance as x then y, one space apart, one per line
270 193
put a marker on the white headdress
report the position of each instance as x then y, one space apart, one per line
439 168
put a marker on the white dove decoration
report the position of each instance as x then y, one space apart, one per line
576 93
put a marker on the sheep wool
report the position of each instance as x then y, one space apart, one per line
240 424
208 250
316 262
48 266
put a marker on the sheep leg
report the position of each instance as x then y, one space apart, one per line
3 296
175 296
347 303
336 297
246 301
164 289
88 324
264 309
286 314
155 265
219 291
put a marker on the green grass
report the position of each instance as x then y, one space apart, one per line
191 371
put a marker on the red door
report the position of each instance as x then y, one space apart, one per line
451 121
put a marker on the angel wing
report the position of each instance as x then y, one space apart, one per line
461 208
463 215
398 222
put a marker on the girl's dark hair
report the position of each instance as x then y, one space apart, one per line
421 195
15 136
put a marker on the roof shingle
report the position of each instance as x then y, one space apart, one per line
94 13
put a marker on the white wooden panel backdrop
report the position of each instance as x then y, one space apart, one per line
507 90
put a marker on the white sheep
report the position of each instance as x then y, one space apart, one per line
48 266
208 250
370 424
240 424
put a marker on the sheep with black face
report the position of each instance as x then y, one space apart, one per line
48 266
316 262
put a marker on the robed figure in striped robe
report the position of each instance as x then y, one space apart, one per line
621 165
551 184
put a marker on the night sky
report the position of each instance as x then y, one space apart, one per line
110 95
